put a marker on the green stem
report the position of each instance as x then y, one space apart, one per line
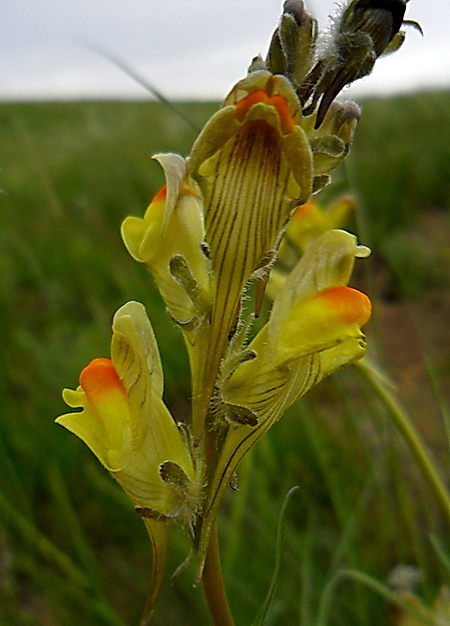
407 430
214 586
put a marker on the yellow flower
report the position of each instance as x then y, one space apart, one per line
126 424
168 240
311 220
314 329
219 221
253 165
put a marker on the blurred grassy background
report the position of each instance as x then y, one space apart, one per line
71 549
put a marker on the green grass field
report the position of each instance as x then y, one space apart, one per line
72 550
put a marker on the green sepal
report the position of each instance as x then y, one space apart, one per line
319 182
276 58
298 34
257 64
172 474
330 146
239 415
180 270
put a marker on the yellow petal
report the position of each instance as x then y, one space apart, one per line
328 262
105 422
321 322
133 334
311 220
142 237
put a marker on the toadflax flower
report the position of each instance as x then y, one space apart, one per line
312 219
220 218
253 165
314 329
168 240
126 424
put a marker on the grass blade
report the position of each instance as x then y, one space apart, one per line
259 621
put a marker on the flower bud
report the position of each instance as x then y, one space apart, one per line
292 47
380 19
331 141
366 29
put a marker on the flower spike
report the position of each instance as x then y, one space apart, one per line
217 224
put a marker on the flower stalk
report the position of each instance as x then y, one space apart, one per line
213 584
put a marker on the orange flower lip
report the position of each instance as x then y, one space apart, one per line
277 101
100 378
161 195
303 210
353 306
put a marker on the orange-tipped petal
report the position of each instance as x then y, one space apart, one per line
173 228
100 378
160 196
349 305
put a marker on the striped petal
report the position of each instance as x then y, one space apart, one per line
253 165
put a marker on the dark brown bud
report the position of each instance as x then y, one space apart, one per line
366 30
381 19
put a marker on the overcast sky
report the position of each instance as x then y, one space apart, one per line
187 48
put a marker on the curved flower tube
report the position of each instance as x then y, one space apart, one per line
128 427
314 329
170 241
